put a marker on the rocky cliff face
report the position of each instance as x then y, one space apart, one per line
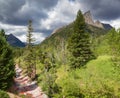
89 20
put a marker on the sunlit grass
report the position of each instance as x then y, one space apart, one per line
95 76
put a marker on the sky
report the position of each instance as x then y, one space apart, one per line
48 15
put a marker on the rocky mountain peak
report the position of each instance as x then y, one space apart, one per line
89 20
88 14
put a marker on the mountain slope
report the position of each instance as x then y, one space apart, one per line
57 42
65 32
15 42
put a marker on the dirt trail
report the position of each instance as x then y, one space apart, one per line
24 86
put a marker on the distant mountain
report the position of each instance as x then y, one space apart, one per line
107 26
15 42
57 42
92 25
89 20
61 35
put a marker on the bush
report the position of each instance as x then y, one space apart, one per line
71 89
6 64
3 94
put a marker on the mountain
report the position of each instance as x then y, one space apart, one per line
107 26
61 35
90 23
89 20
15 42
57 42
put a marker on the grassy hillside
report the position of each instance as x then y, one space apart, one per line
97 79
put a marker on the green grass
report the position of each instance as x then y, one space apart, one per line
97 75
62 72
96 72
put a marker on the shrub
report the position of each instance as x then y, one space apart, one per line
3 94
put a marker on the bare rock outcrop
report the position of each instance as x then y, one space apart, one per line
89 20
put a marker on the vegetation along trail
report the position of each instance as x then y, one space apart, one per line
24 85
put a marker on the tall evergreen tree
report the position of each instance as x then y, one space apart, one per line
30 57
29 35
6 63
2 33
79 43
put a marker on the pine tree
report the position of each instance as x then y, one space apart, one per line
6 63
30 57
49 74
29 35
2 33
79 43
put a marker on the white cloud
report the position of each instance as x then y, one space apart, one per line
63 13
38 37
18 31
21 31
115 23
22 37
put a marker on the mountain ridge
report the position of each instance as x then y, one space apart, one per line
89 21
14 41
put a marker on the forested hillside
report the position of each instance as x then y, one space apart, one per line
57 42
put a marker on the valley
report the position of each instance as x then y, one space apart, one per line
79 60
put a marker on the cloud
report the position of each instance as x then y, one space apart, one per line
115 23
63 13
37 36
8 9
19 12
48 15
21 31
103 9
14 16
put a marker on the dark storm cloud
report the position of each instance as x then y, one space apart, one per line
44 31
19 12
44 4
71 0
103 9
8 8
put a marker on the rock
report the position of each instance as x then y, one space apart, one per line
89 20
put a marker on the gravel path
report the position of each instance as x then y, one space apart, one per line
24 86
